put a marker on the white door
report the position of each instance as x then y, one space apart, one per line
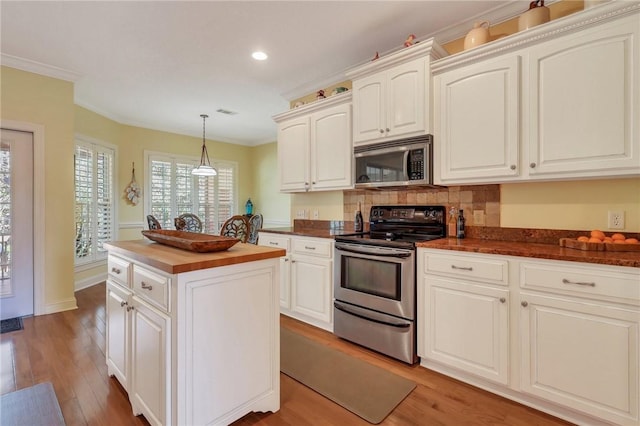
16 224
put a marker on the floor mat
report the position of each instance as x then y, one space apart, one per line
364 389
11 324
34 406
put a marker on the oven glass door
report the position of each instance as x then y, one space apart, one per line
378 278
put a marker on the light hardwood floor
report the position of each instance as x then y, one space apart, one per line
67 349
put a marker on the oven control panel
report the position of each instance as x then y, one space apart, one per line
418 214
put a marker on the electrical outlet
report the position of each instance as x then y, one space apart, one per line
478 217
615 219
300 214
316 214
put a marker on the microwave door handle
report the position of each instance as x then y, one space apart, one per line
343 308
399 255
405 167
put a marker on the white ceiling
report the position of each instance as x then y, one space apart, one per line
160 65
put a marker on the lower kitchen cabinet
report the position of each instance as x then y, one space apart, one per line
150 362
563 337
118 332
306 284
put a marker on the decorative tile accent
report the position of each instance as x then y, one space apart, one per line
468 198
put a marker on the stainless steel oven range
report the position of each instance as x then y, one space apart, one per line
375 278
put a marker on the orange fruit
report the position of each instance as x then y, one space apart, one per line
618 237
631 241
608 240
583 239
618 241
597 234
595 240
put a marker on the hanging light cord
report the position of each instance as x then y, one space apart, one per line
205 153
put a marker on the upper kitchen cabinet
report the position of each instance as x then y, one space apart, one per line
315 152
558 101
392 95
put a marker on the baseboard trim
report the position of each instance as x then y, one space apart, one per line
90 281
61 306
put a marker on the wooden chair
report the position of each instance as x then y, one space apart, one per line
153 222
188 222
255 224
237 227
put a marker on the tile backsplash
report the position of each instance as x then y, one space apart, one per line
483 200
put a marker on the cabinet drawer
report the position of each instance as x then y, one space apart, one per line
585 281
271 240
490 270
312 247
118 269
151 287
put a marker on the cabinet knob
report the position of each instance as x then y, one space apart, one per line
524 303
381 131
313 183
532 165
387 129
513 167
130 308
115 270
123 304
503 300
286 260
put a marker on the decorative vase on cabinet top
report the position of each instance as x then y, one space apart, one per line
537 14
477 36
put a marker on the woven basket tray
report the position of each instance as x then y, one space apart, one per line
192 241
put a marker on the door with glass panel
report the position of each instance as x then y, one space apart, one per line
16 224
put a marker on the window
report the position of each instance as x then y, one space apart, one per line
95 200
173 190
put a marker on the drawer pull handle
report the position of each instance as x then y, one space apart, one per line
273 243
123 304
524 303
462 268
130 308
309 248
115 270
146 286
566 281
503 300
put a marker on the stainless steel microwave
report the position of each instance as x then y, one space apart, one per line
402 162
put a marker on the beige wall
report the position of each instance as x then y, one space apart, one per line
578 205
48 102
329 204
265 196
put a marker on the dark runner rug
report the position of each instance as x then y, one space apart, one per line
364 389
11 324
34 406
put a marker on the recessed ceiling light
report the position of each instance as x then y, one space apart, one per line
259 56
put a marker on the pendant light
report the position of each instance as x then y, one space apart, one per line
204 169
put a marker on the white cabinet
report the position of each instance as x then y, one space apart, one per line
563 337
478 121
578 349
306 286
559 101
314 146
150 363
464 316
392 97
118 332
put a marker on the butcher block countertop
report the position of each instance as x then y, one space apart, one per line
535 250
174 260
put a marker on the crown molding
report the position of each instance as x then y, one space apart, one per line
334 100
39 68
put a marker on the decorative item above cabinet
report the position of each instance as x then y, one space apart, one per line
558 101
392 94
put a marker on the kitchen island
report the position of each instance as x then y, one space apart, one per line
194 337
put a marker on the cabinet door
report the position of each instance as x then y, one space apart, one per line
118 327
285 282
293 154
150 363
331 149
584 114
467 327
406 99
477 133
582 355
311 287
369 109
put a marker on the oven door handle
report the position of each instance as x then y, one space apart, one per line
398 255
346 309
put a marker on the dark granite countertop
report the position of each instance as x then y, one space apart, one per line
535 250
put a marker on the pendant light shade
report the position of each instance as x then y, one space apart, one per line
204 169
